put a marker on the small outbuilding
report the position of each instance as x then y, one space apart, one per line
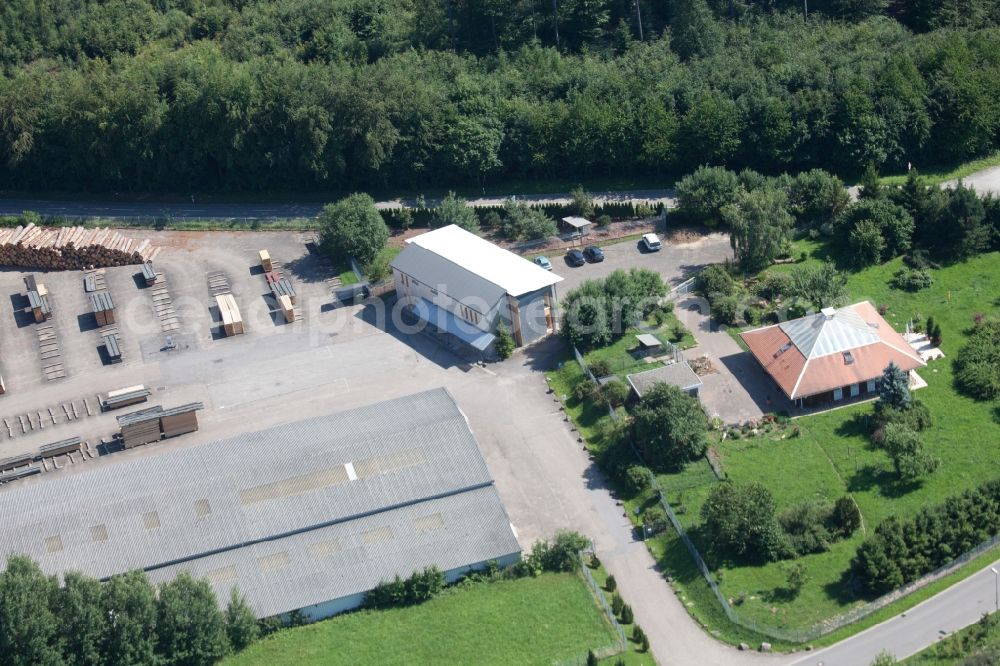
677 374
579 225
649 345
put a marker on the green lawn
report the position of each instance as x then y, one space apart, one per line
542 620
622 361
833 457
934 174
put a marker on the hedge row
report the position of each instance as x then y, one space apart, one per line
401 218
901 551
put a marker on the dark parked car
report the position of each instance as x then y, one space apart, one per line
575 258
594 254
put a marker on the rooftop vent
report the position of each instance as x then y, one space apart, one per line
828 313
848 358
785 347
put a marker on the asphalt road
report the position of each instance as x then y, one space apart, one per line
921 626
221 210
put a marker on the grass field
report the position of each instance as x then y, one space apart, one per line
542 620
934 174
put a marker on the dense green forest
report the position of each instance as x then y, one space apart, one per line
252 95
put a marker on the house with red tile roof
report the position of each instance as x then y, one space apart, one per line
832 355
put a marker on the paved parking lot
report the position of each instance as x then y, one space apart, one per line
673 262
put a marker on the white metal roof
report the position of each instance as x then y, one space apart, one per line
829 332
467 251
577 222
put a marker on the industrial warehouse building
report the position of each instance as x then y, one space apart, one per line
307 516
832 355
464 286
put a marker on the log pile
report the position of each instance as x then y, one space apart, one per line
71 248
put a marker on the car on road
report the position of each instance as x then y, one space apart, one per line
651 242
575 258
544 263
593 254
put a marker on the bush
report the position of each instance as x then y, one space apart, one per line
654 519
639 637
635 479
561 554
611 584
600 367
616 603
600 311
845 517
454 210
627 617
522 222
670 427
604 221
977 364
907 452
724 310
614 392
909 279
504 344
714 281
739 522
807 527
418 588
795 577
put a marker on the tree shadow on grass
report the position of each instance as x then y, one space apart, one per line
883 478
845 590
856 426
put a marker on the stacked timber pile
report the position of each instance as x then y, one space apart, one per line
70 248
180 420
142 427
232 321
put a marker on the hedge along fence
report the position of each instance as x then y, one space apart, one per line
791 635
398 218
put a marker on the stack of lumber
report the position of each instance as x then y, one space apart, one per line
15 461
70 248
287 309
71 445
265 260
113 347
232 321
148 274
283 287
142 427
14 475
124 397
38 299
103 307
180 420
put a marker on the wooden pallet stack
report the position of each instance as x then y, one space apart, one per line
265 260
129 395
62 447
149 273
232 321
71 248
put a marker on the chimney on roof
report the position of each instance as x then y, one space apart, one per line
828 313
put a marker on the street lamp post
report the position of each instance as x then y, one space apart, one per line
996 581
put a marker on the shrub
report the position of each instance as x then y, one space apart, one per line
909 279
504 344
845 516
600 367
724 310
616 603
454 210
702 195
635 479
592 659
561 554
522 222
627 617
907 452
654 519
807 527
604 220
795 577
639 636
715 281
611 584
614 392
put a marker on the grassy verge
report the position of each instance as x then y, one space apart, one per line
934 174
976 644
541 620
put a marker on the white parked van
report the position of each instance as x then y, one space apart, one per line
652 242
